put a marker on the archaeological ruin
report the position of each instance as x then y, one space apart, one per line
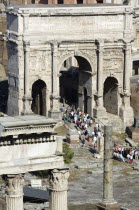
37 55
59 52
29 143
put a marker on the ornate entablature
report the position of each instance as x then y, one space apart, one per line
28 143
23 125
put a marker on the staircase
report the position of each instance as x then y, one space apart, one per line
116 122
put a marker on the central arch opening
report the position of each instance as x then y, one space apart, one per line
110 95
39 97
76 83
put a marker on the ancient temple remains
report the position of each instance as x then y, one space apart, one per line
29 143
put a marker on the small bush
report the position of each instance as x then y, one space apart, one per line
68 153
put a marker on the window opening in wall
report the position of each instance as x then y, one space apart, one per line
79 1
60 2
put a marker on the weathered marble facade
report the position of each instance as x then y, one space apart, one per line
29 143
41 38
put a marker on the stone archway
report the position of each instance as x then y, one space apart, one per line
110 95
75 78
39 97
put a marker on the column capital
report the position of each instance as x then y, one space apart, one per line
127 46
59 179
14 184
100 42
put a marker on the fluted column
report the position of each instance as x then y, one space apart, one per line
126 111
100 74
58 189
27 99
100 111
14 192
127 73
54 112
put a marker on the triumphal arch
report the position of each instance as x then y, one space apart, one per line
40 38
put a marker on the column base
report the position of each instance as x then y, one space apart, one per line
127 115
101 114
108 206
55 114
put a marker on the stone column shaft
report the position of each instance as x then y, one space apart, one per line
54 111
59 200
58 189
100 75
26 68
127 72
99 110
27 99
14 191
108 166
54 69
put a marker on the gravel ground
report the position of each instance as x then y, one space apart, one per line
86 182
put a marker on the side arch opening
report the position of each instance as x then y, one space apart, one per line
39 97
110 95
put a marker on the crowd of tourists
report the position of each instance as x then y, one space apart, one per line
88 130
124 154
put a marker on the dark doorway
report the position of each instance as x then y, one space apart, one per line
39 97
100 1
43 2
69 85
60 2
3 96
75 75
85 100
79 1
110 95
135 68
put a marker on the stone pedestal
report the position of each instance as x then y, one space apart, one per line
14 191
126 111
73 136
133 131
55 114
27 105
100 113
58 189
108 206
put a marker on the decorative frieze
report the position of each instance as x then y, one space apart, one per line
34 139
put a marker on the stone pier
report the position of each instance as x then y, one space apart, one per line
58 189
108 202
